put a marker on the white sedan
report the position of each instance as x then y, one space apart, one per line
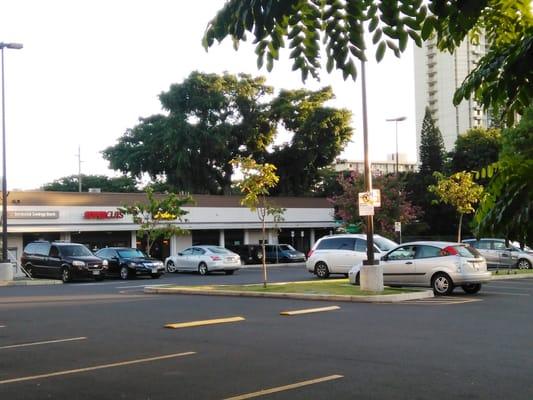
204 259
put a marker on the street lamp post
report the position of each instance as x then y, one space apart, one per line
16 46
396 120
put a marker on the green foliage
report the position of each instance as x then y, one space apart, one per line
507 210
122 184
309 28
432 151
157 216
394 204
213 119
319 135
475 149
258 180
460 191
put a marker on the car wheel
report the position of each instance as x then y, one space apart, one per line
523 264
202 269
471 288
321 270
65 275
29 271
124 273
442 284
258 255
171 267
229 272
358 278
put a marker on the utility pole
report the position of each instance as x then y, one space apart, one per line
79 168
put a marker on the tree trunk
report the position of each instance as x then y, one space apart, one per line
459 230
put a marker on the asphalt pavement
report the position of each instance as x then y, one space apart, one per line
107 340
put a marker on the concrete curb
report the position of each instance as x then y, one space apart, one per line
29 282
503 277
386 298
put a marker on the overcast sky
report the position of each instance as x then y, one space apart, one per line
90 69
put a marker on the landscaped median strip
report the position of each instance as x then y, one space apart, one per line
286 387
324 290
192 324
309 311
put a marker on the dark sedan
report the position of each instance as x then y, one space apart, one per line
283 253
127 263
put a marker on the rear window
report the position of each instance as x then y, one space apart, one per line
466 251
218 250
286 247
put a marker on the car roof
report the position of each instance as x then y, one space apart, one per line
348 235
431 243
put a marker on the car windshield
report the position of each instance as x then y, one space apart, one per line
131 253
286 247
467 251
384 244
218 250
75 251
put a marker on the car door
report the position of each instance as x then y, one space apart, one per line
426 259
113 260
183 259
345 255
485 249
399 266
503 254
40 259
198 255
53 262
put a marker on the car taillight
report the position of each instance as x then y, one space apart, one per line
215 258
449 251
310 253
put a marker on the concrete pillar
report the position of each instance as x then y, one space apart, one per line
246 236
221 238
270 237
64 236
311 237
134 239
371 278
173 245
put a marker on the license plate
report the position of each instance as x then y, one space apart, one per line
96 272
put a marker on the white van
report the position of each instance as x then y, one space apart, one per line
337 254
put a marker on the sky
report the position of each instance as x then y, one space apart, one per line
90 69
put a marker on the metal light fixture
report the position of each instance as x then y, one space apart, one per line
396 120
15 46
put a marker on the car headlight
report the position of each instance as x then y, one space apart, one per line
77 263
104 263
135 265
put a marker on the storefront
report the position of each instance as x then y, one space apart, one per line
94 219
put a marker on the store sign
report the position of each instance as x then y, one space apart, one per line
103 215
32 214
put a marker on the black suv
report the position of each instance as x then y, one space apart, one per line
63 260
128 262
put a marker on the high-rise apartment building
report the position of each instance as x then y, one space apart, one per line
437 76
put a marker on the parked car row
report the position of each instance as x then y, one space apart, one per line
70 261
274 253
439 265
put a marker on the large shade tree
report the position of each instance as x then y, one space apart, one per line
307 27
475 149
212 119
104 183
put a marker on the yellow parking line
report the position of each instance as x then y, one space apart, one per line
283 388
13 346
204 322
76 371
309 310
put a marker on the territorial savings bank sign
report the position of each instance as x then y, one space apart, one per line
103 215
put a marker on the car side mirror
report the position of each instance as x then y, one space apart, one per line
180 254
384 258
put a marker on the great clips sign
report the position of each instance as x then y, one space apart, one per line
103 215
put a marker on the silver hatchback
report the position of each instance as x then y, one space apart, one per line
439 265
499 255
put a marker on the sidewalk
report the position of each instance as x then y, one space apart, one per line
23 281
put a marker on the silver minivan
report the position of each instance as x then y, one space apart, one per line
337 254
500 255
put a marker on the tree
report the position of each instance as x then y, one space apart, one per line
255 186
122 184
475 149
394 204
502 78
508 207
319 135
432 151
157 216
460 191
213 119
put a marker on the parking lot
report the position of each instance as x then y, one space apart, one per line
108 340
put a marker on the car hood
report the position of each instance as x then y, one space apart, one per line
141 260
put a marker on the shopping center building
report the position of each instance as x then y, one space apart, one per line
94 219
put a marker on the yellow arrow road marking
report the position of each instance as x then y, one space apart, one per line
192 324
309 310
287 387
76 371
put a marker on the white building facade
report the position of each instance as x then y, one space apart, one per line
94 219
437 76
